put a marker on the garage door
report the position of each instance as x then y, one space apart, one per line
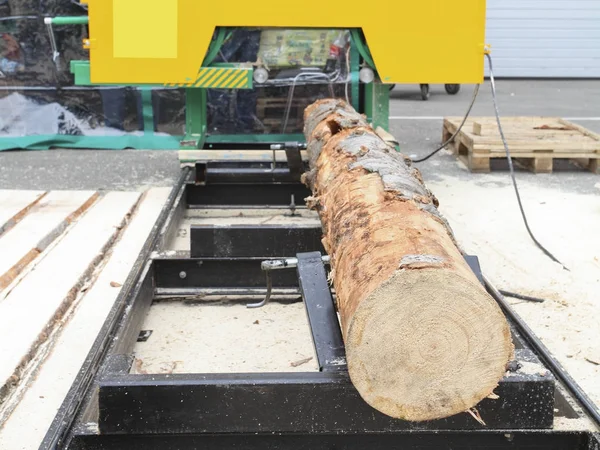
544 38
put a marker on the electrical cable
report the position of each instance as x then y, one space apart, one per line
508 157
512 169
425 158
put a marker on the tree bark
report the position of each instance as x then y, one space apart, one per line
423 338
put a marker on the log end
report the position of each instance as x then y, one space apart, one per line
427 344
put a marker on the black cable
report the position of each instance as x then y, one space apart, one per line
425 158
527 298
511 168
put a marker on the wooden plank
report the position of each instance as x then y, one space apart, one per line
559 129
538 144
187 156
500 152
581 129
14 205
506 119
46 393
537 165
45 222
475 163
29 313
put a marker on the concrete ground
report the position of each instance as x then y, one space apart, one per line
416 123
563 207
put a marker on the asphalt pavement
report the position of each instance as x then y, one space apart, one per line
417 124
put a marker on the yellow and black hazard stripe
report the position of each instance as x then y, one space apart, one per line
220 78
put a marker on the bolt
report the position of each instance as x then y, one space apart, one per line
513 366
182 274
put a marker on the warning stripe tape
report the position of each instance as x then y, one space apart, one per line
219 78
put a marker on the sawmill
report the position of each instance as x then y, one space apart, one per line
294 197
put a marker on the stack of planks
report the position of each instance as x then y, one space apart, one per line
534 141
63 257
423 338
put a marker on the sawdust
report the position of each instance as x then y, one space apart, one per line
485 218
227 338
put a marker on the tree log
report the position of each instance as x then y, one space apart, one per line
423 338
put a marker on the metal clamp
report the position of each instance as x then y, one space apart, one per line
293 156
277 264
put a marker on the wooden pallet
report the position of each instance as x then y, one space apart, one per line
63 257
271 111
534 141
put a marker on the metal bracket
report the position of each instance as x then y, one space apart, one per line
293 155
321 311
278 264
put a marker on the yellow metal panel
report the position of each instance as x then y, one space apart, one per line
153 32
425 41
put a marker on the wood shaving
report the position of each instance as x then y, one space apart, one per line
300 362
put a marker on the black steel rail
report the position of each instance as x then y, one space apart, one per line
140 398
544 354
63 421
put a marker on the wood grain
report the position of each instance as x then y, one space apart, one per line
423 338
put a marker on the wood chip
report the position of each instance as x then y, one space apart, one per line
115 284
548 127
591 359
138 363
300 362
256 322
475 414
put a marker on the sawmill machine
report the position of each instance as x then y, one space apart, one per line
346 50
217 238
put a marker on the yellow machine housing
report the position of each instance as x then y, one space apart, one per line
165 41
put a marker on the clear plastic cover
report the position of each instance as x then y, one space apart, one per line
41 107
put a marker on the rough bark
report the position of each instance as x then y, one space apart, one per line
423 338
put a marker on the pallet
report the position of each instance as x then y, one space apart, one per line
533 141
62 263
271 112
270 107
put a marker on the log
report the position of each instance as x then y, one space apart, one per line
423 338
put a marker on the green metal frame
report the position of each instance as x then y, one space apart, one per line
195 118
375 100
362 47
69 20
377 104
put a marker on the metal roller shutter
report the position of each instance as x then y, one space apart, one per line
544 38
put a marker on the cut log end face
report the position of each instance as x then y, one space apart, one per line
426 345
423 338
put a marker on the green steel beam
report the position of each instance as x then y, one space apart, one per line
251 138
354 81
362 47
215 46
377 104
147 110
195 118
67 20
